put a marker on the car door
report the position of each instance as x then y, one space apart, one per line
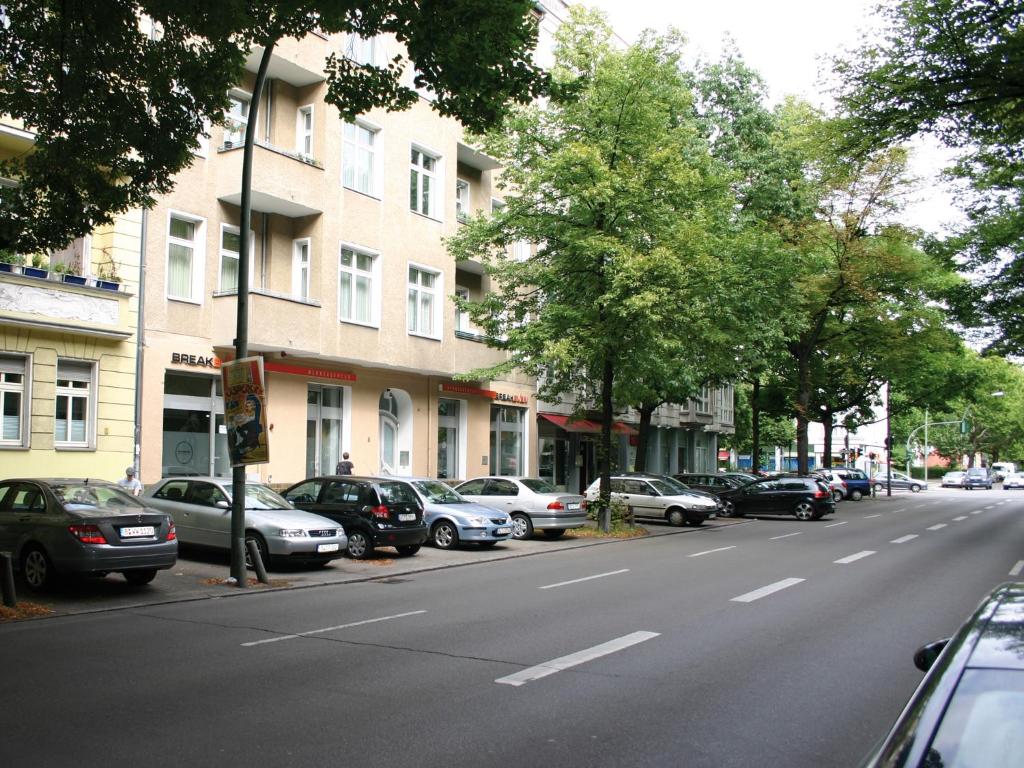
642 498
502 494
171 497
22 508
340 501
758 497
473 490
210 512
789 492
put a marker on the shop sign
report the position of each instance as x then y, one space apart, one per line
305 370
501 397
197 361
245 411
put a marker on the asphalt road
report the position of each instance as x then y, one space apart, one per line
765 643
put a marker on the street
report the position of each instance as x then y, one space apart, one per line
763 643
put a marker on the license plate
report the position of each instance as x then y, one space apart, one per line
136 532
326 547
502 531
572 505
406 517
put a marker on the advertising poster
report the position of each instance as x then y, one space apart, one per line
245 411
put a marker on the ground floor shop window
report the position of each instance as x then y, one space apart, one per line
554 460
448 412
507 432
195 440
324 419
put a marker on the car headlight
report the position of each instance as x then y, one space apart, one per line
478 521
292 533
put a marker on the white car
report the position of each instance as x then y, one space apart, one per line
1013 480
533 504
658 499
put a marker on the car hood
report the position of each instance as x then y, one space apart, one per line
462 509
695 497
287 518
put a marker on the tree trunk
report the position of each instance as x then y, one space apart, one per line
646 411
755 427
604 447
826 422
803 400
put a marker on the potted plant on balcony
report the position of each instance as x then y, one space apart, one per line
65 273
10 261
38 267
107 277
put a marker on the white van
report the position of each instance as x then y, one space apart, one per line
1003 468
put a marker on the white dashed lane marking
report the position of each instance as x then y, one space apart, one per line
833 525
868 517
710 551
904 539
331 629
757 594
936 527
854 558
958 519
1015 571
575 659
585 578
785 535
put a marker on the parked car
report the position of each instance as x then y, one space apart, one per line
374 511
835 483
806 498
678 485
977 477
857 484
1002 469
717 483
533 504
953 479
453 519
742 477
1014 480
654 498
201 508
900 481
969 708
61 526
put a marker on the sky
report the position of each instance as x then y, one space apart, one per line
787 41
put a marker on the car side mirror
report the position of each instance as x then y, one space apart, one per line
222 504
926 655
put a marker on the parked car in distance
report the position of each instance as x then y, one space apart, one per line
453 520
806 498
532 503
954 479
977 477
1001 469
835 483
654 498
899 481
678 485
201 509
374 511
59 526
1013 480
716 483
969 708
857 484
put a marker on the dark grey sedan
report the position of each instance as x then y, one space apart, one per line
63 526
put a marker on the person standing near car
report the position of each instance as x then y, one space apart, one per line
130 482
345 466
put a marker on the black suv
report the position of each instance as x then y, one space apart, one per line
375 511
806 498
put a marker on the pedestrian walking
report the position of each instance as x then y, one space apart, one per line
130 482
345 466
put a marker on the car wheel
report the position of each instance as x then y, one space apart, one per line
359 545
408 550
522 527
856 495
837 496
554 533
138 578
676 517
261 547
804 510
445 535
696 520
878 487
37 569
728 508
915 487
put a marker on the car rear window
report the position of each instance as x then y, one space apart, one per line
538 486
397 493
88 495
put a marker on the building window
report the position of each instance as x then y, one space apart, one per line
184 257
424 301
195 440
304 131
725 410
237 118
462 200
361 50
359 158
462 321
325 409
423 182
300 268
230 244
702 403
507 432
356 286
13 402
73 419
448 454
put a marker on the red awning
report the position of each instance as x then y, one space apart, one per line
570 424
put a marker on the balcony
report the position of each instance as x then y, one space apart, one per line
48 303
293 61
276 322
282 182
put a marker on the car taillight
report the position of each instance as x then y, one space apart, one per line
171 533
88 534
820 494
583 504
380 511
555 505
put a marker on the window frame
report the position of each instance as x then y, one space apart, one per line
374 276
463 195
198 258
89 396
241 121
436 291
298 267
302 133
417 172
224 227
352 150
16 364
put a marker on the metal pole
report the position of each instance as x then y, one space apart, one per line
926 451
242 321
7 576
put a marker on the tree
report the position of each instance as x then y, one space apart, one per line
117 111
619 195
956 70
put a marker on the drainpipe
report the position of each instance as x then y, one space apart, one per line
140 340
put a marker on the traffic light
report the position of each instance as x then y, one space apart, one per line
964 427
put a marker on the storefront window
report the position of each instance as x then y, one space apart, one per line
194 436
324 409
507 426
554 455
447 439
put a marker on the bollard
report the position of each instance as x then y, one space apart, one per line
257 561
7 580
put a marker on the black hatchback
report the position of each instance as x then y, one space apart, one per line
374 511
806 498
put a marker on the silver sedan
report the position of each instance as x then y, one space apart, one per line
201 508
533 504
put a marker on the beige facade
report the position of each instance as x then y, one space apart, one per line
351 289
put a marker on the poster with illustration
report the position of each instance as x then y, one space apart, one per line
245 411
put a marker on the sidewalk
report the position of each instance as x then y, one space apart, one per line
201 574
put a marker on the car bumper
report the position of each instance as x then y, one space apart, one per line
400 537
544 522
490 533
318 548
98 557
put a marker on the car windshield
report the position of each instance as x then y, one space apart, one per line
742 478
672 482
437 492
261 497
666 488
88 495
538 486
